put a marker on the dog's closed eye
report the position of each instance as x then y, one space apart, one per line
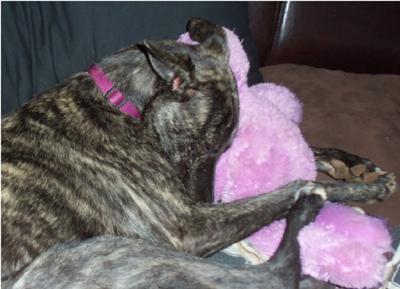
179 85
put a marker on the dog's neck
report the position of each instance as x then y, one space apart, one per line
112 94
131 74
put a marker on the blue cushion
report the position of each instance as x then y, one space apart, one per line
45 42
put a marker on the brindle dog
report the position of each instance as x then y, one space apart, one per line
75 167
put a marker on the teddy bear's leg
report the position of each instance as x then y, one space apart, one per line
285 266
342 165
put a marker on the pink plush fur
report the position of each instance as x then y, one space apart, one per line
342 246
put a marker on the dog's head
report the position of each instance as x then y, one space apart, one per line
199 79
194 111
187 93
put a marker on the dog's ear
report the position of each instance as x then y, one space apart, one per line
210 36
172 68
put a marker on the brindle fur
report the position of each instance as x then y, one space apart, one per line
74 167
106 261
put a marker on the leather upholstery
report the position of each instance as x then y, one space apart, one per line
350 36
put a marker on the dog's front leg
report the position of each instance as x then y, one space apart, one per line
201 179
210 228
285 264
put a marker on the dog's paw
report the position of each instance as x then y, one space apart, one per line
312 188
387 183
378 190
306 209
365 171
344 166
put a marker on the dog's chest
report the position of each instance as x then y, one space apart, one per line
136 186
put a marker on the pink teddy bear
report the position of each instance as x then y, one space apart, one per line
342 246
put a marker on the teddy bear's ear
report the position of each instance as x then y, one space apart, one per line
210 36
166 64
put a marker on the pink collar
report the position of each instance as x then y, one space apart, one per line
114 96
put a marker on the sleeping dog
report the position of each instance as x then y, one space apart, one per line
128 149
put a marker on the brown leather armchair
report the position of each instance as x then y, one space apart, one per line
351 36
341 59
